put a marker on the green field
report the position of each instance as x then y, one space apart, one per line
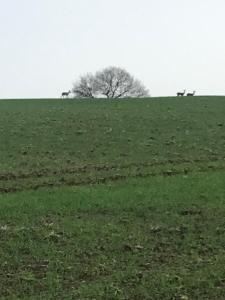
119 200
55 142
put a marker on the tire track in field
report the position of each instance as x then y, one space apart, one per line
57 182
8 176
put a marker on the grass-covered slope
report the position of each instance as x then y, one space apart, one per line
58 142
154 238
157 234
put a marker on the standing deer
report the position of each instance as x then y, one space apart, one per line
181 94
191 94
65 94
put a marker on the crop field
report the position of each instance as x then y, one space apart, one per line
67 142
112 200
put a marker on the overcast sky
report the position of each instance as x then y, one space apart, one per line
170 45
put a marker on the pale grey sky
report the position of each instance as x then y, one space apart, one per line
169 45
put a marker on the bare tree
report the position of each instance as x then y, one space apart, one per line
114 82
84 87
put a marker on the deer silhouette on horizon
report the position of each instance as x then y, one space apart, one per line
181 94
65 94
191 94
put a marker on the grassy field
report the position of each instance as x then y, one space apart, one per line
112 200
55 142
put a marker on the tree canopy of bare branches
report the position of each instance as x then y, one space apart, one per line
111 82
84 87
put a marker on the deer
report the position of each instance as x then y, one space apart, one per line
181 94
65 94
191 94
